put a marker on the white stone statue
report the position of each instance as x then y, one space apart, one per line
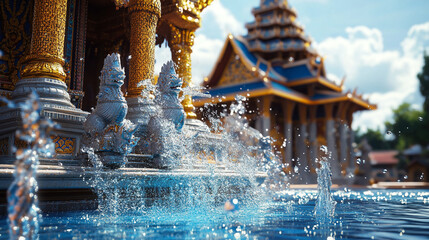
164 127
108 132
169 87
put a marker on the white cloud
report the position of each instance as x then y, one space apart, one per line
388 77
206 50
223 18
162 55
205 53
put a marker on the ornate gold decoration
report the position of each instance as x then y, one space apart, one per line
47 43
235 72
144 15
121 3
43 65
16 39
64 145
184 13
180 19
4 146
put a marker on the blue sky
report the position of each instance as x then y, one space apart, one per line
376 44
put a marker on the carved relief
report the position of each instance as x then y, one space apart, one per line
47 43
235 72
15 38
64 145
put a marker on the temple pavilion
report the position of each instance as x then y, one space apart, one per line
289 95
57 48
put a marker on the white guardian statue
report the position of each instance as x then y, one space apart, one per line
107 131
167 125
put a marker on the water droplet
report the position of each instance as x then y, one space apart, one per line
422 176
384 170
388 132
129 57
420 119
295 169
358 161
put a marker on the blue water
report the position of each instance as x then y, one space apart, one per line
359 214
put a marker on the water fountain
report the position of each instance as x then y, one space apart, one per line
183 203
184 179
23 210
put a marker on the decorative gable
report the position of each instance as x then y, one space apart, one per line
235 72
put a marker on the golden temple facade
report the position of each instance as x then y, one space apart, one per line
57 47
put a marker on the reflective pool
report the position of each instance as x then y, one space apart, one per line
359 214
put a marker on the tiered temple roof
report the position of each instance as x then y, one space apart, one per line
274 58
275 35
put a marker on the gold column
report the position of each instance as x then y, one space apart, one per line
144 16
47 42
180 43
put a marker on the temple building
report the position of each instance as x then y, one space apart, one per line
289 95
57 47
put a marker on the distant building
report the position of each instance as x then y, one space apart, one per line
418 167
418 171
289 95
384 166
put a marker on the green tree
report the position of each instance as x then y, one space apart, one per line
376 139
423 77
408 127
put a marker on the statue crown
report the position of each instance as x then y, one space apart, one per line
167 69
112 61
168 77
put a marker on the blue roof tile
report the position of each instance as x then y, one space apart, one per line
245 51
295 72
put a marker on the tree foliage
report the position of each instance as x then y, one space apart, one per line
408 127
423 77
376 139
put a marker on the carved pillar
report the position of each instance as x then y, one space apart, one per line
43 72
144 16
344 130
302 145
43 68
47 42
288 108
180 19
312 138
180 43
264 121
350 140
330 139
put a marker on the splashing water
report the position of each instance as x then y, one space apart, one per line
325 205
204 170
23 211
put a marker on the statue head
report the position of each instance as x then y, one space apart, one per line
168 81
112 73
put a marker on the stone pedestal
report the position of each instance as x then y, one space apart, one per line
56 105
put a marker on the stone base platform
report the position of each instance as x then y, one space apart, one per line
64 188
